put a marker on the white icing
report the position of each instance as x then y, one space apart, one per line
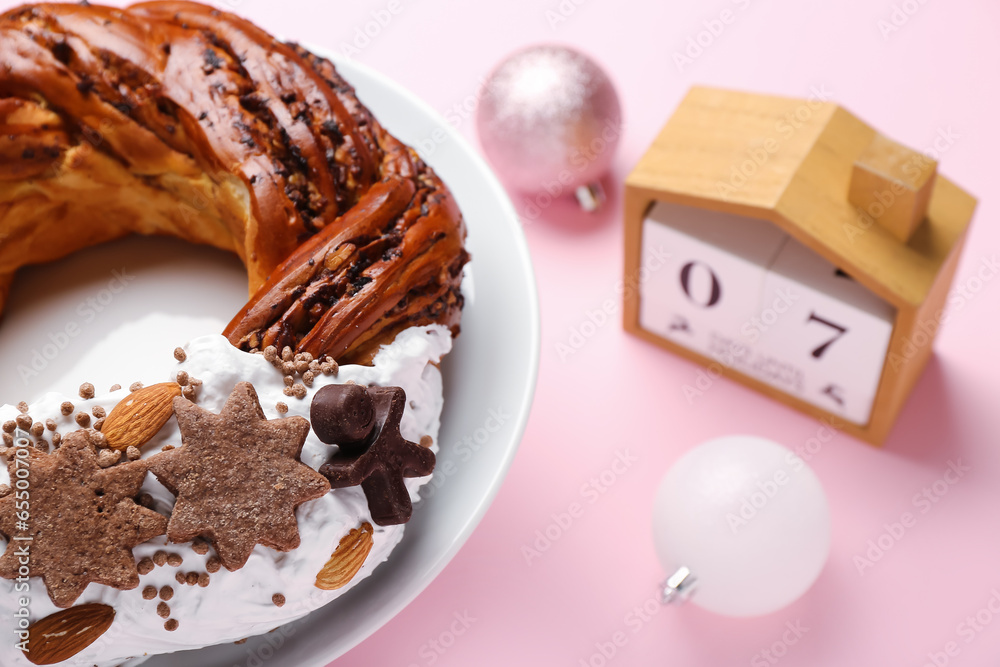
238 604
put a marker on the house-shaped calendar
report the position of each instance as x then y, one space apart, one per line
807 255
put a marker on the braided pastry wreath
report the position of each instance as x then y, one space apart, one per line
199 509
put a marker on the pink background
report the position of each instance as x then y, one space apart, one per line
619 394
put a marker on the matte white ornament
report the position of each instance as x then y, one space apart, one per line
741 524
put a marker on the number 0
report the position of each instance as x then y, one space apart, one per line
715 293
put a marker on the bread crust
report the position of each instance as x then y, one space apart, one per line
176 118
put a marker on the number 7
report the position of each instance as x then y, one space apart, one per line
818 352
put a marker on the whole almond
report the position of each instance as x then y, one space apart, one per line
140 415
64 634
347 559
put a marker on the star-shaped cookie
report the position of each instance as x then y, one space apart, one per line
364 422
76 523
237 477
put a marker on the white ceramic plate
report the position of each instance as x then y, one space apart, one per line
72 322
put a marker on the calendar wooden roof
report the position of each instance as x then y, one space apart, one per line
790 161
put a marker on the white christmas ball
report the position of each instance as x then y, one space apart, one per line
750 520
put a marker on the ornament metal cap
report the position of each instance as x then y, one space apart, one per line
678 586
591 196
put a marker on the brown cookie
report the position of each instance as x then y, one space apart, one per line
238 478
83 520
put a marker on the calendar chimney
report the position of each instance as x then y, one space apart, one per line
893 184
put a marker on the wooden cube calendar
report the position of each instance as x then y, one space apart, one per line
808 256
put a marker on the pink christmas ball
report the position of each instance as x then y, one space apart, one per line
549 116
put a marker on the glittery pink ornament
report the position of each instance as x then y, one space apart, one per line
549 121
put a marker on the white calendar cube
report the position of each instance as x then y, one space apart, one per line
833 328
710 285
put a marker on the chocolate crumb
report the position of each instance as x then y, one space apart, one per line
22 407
145 566
56 439
180 354
8 440
99 424
66 408
175 560
135 386
166 593
278 599
213 564
289 380
86 391
301 366
181 579
287 354
282 408
287 391
42 446
132 453
9 426
195 382
171 625
115 387
163 610
83 419
160 558
288 368
204 579
188 392
108 457
307 378
99 412
149 592
192 578
146 500
98 438
426 441
167 448
315 366
24 422
4 490
271 354
182 378
37 429
49 424
200 547
299 391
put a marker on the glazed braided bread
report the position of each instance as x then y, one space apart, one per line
175 118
